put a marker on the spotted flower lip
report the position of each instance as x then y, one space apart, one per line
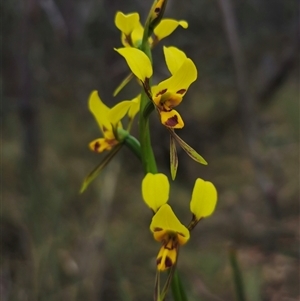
109 120
165 222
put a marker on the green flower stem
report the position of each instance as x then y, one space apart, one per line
147 155
134 145
148 159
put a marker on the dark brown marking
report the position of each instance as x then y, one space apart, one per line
161 92
157 229
171 122
168 262
181 91
96 146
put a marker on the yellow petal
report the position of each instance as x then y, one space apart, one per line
126 23
135 107
171 119
119 111
166 257
166 220
155 190
138 62
100 111
137 35
102 144
180 81
166 100
174 58
167 26
204 199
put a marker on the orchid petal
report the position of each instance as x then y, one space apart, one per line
180 81
204 199
173 158
188 149
166 221
155 190
135 107
138 62
167 26
119 111
171 119
126 23
100 111
174 58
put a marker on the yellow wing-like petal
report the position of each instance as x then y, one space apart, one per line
135 107
126 23
138 62
155 190
204 199
100 111
180 81
167 26
174 58
119 111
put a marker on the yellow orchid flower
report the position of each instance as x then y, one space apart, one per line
168 93
109 120
165 226
132 30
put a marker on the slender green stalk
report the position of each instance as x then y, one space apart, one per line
148 159
237 275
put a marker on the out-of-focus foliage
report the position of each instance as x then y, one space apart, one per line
59 245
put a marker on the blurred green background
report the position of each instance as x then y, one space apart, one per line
59 245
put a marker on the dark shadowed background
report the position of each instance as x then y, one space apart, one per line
242 115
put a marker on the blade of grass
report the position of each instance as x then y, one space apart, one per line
237 274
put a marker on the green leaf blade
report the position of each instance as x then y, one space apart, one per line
96 171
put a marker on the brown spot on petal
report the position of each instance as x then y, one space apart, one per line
181 91
157 229
161 92
171 122
168 262
96 146
157 10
